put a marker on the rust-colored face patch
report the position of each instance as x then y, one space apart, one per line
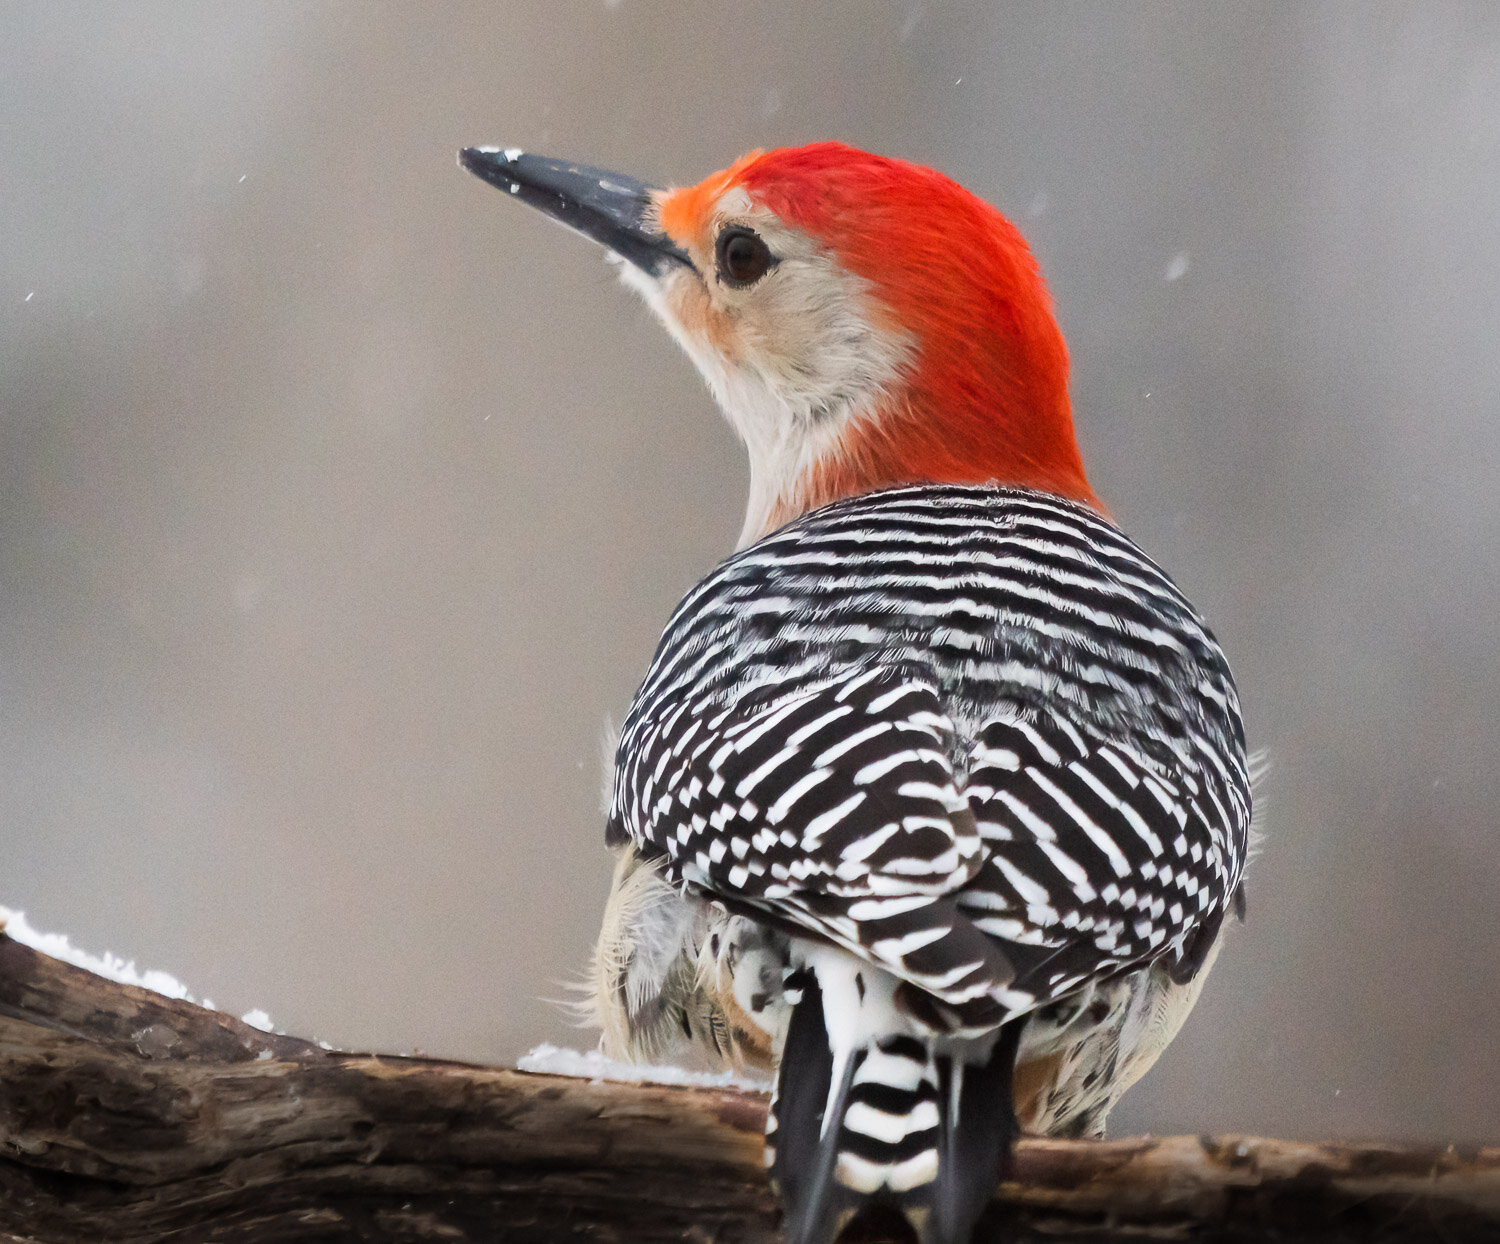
685 213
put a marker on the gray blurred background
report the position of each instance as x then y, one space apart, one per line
342 500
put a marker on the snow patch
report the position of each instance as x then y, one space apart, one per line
107 965
15 925
553 1060
257 1019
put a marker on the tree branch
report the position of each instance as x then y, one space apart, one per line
126 1116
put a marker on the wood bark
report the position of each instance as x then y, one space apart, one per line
127 1117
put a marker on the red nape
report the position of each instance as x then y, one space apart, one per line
987 395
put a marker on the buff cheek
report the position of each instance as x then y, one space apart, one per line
709 327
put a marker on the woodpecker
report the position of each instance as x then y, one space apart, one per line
934 797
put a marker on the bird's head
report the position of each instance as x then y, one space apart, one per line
863 322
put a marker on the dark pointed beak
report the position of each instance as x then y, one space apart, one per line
607 207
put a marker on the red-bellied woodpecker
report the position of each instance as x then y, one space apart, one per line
935 794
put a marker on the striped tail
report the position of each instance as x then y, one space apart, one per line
874 1117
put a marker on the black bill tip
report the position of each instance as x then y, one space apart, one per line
609 208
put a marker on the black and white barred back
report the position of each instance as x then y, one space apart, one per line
974 737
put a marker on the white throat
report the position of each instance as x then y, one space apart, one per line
794 367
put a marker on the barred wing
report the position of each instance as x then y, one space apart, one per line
831 808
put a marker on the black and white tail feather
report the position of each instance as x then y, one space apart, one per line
872 1108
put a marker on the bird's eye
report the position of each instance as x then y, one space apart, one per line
743 257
